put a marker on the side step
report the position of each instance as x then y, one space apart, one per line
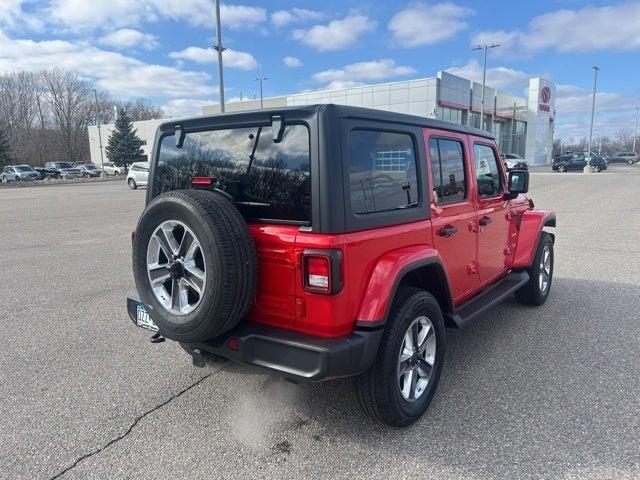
495 294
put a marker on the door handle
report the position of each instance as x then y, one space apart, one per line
484 221
448 231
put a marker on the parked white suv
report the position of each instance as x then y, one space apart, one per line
138 175
113 169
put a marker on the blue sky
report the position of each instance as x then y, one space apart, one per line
161 48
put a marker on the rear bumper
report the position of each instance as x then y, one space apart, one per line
290 353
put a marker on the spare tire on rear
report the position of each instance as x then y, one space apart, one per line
195 264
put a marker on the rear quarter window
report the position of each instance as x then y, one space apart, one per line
382 171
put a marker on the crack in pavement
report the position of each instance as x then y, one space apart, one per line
133 425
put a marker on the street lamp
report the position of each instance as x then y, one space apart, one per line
587 167
635 130
261 80
95 94
484 77
219 48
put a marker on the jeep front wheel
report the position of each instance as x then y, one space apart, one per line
399 386
536 290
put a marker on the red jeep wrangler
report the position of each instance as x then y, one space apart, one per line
329 241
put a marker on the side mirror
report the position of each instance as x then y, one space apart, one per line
518 182
277 128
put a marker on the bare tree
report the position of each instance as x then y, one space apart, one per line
141 109
624 138
18 110
69 100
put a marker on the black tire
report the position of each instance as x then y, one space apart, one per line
378 388
562 169
629 162
132 184
531 293
229 258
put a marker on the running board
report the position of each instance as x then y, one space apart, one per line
464 314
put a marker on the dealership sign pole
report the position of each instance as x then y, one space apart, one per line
635 130
219 48
587 167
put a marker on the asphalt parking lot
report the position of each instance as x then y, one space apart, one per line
551 392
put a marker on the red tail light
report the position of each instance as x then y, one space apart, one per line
201 181
321 271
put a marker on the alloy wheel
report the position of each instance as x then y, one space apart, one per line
416 359
176 267
544 276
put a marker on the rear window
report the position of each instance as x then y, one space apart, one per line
265 180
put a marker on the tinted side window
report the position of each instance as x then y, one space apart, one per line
487 171
382 171
447 167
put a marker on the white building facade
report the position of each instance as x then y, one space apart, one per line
522 126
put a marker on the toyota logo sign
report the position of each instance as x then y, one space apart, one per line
546 94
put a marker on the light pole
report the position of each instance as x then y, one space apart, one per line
95 94
635 130
484 77
587 167
261 80
219 48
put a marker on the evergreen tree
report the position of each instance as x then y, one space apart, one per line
6 153
124 144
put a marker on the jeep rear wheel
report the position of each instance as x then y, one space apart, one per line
399 386
195 264
536 290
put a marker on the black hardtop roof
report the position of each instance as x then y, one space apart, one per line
343 111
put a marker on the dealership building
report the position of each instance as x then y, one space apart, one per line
523 126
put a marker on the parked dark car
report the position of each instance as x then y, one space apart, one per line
577 161
624 157
46 172
64 169
89 170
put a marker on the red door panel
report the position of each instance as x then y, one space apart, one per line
494 218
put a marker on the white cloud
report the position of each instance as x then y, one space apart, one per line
230 58
356 73
497 77
424 24
12 15
130 38
103 14
587 29
120 75
338 34
291 62
185 107
282 18
236 17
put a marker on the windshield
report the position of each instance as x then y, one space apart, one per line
90 167
63 165
24 168
265 180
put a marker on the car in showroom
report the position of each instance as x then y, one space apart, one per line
248 249
577 162
138 175
624 157
19 173
111 168
63 169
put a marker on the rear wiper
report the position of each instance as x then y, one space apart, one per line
253 150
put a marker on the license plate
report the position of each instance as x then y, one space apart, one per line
143 320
